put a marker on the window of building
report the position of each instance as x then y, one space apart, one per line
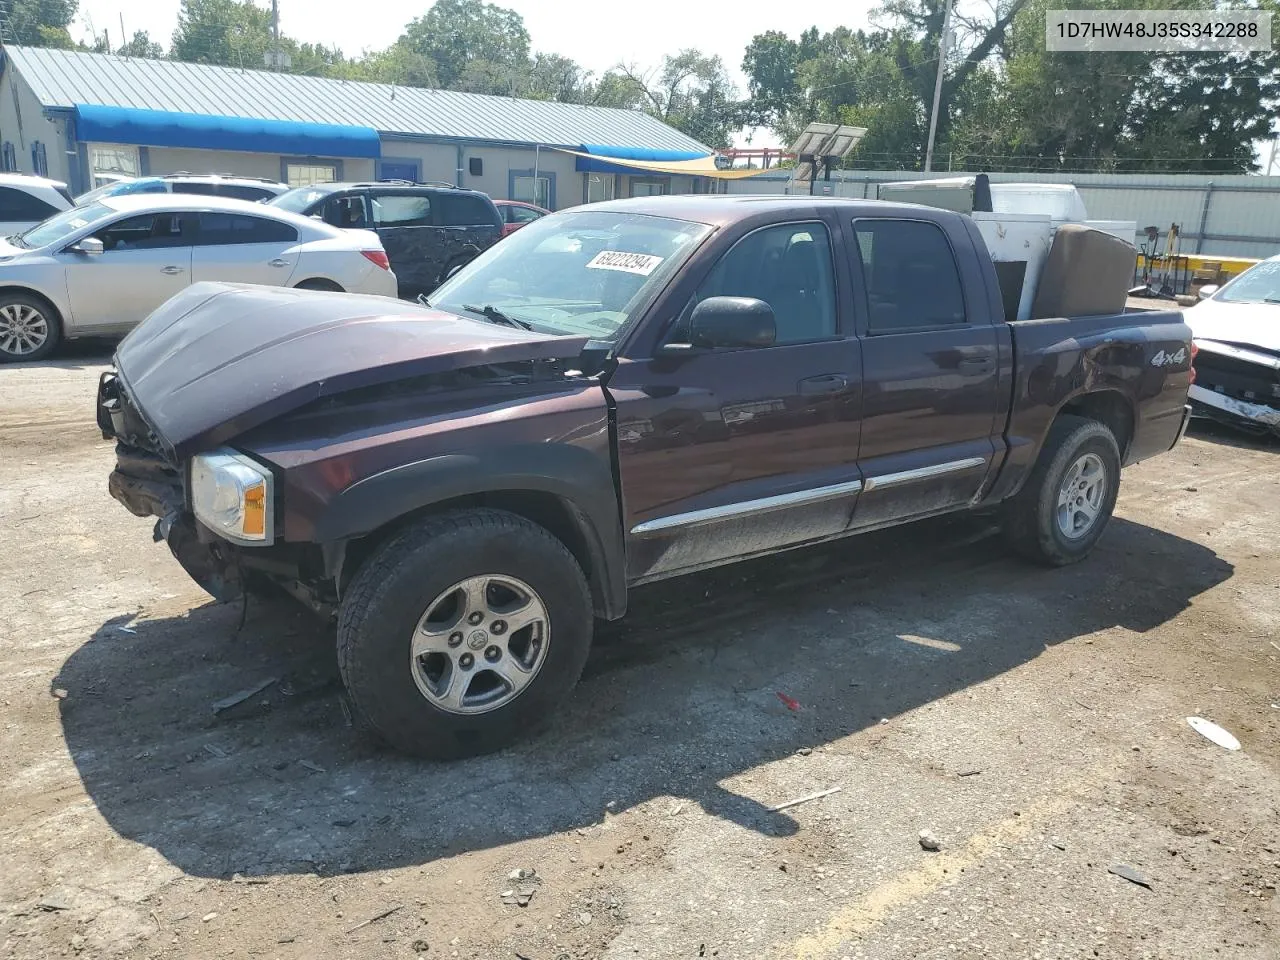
220 228
910 275
650 186
39 159
599 187
535 190
19 205
306 174
8 158
401 210
462 210
789 267
112 161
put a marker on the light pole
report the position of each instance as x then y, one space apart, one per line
937 86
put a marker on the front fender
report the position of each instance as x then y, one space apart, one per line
580 478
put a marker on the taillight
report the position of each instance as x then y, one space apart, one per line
378 257
1194 351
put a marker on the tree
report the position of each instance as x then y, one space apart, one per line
772 64
42 23
473 45
234 33
552 77
396 64
141 45
691 91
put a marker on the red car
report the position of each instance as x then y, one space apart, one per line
516 213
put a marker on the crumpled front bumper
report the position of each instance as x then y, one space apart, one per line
1258 416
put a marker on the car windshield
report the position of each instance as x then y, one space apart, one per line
573 273
62 225
299 199
1258 284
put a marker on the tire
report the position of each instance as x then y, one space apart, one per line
400 592
1035 520
319 283
30 328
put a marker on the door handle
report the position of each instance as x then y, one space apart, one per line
830 383
171 270
278 262
973 366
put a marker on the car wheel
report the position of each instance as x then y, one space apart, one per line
1064 507
319 283
29 328
464 633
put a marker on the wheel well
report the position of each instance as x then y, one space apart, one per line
1109 408
35 295
319 283
556 515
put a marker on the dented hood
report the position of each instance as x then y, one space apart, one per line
1246 324
219 359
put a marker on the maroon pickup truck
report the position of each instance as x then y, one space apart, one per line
614 395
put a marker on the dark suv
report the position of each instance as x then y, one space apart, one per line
427 229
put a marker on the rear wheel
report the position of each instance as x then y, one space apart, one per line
29 328
1064 507
464 633
319 283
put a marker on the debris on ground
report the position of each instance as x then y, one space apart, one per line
928 841
313 767
526 882
59 693
790 703
805 799
208 916
971 772
235 699
54 902
1127 872
1211 731
381 916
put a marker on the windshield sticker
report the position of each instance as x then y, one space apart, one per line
641 263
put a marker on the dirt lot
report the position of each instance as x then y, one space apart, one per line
1033 719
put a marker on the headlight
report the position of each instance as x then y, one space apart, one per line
231 495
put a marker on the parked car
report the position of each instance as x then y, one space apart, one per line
428 230
615 395
99 269
203 184
1237 338
25 201
516 213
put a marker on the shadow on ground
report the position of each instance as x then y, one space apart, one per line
1229 435
677 697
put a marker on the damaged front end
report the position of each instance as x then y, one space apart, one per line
149 483
1237 384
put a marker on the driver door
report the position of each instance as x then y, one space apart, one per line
146 259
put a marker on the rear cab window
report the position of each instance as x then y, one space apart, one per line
909 275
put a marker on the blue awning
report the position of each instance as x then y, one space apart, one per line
602 165
161 128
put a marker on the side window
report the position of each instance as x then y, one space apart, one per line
522 215
346 212
787 266
20 205
243 192
197 188
462 210
910 275
401 210
146 232
220 228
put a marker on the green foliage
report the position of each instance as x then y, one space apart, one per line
141 45
474 45
232 33
42 23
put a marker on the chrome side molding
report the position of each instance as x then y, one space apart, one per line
745 507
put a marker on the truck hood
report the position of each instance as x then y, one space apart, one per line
219 359
1246 324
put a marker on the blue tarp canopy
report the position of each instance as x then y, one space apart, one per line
162 128
598 162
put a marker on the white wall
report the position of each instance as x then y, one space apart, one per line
22 123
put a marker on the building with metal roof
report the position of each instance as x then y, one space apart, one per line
86 118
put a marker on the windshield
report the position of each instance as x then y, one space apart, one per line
1258 284
299 199
62 225
573 273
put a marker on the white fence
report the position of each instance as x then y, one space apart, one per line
1222 215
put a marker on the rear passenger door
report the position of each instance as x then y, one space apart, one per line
470 224
241 248
403 221
930 371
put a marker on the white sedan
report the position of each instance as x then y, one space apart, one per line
1237 362
102 268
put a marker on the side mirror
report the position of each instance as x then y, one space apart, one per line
1208 290
90 246
732 322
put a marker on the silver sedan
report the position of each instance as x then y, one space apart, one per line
100 269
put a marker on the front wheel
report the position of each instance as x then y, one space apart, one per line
464 633
1064 507
29 328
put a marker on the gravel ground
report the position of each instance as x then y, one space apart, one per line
1033 720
